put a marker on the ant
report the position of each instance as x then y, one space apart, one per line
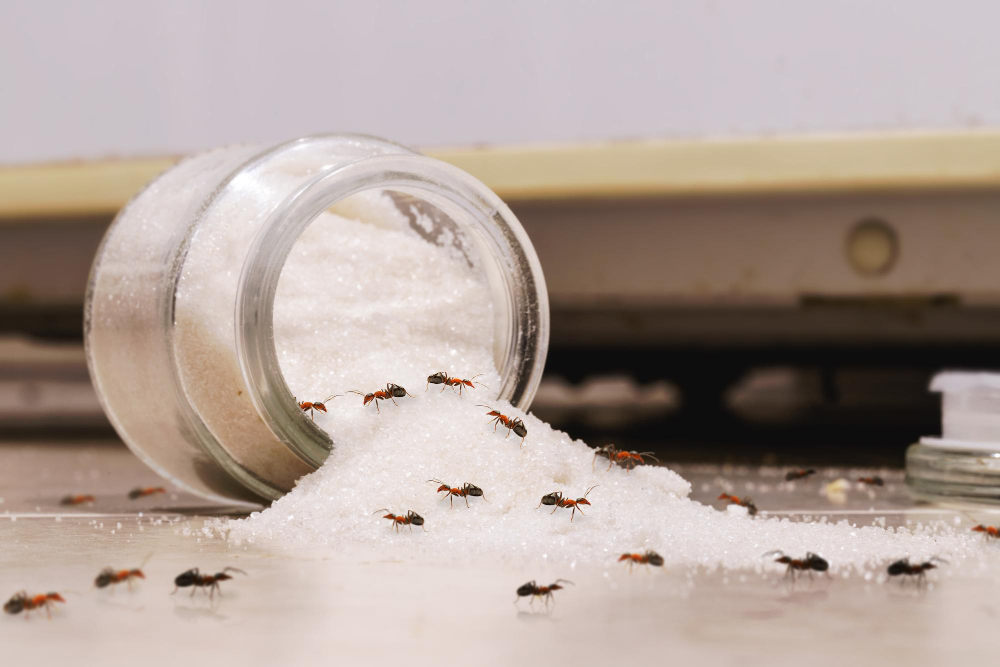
143 492
312 406
872 481
648 558
991 531
108 576
512 423
556 498
464 491
21 602
742 502
410 519
390 392
627 460
442 378
808 564
545 592
77 500
197 580
918 570
793 475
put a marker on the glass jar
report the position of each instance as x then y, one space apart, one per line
963 465
234 213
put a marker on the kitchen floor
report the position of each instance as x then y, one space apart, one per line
321 610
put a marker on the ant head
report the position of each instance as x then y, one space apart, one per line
526 589
654 558
415 518
437 378
188 578
396 391
552 498
519 428
320 406
104 578
134 494
473 490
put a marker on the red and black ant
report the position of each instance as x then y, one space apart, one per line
442 378
143 492
512 423
196 580
875 480
77 500
990 531
627 460
793 475
742 502
22 602
110 576
411 519
391 392
648 558
810 563
556 498
464 491
312 406
544 592
918 570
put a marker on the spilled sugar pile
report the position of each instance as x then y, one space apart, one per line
363 304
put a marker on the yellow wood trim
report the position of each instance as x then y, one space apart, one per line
622 169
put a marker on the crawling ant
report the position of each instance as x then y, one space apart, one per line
544 592
21 602
77 500
742 502
312 406
991 531
627 460
143 492
919 570
874 480
410 519
464 491
808 564
442 378
793 475
391 392
196 580
648 558
512 423
110 576
556 498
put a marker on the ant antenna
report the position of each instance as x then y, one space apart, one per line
778 552
590 489
565 581
234 569
330 398
381 510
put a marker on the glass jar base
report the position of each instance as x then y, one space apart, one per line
955 472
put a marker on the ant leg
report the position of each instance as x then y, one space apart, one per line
393 400
611 462
176 588
451 499
193 589
467 501
553 509
376 407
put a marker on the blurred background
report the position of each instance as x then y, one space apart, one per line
764 225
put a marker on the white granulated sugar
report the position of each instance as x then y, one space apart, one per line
361 305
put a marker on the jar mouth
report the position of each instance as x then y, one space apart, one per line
509 262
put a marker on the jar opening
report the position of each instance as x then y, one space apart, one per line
445 206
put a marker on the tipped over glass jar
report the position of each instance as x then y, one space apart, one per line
179 316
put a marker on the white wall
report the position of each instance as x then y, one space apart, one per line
87 79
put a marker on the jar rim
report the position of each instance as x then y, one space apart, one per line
505 238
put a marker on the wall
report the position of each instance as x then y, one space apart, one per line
89 79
